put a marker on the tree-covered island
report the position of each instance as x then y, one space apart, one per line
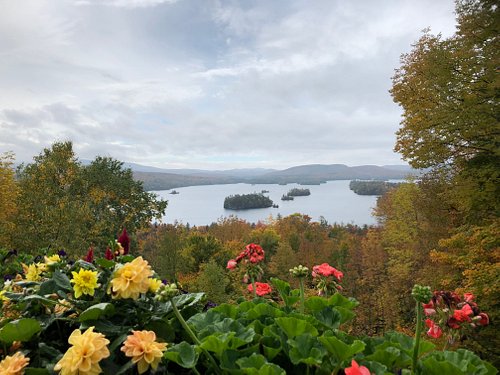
371 187
247 201
295 192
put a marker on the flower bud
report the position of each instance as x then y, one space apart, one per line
299 271
168 291
421 293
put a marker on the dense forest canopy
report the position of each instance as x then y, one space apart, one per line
247 201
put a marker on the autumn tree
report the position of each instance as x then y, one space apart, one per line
8 197
62 203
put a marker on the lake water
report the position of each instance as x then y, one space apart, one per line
203 205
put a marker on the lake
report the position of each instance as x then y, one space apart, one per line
202 205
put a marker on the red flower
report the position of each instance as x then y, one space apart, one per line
326 270
260 288
253 252
429 308
485 320
468 297
108 254
453 323
90 255
462 315
356 369
434 330
231 264
124 241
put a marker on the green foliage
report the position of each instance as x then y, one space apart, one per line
296 192
63 203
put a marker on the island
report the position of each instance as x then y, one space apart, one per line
174 192
373 187
286 198
295 192
247 201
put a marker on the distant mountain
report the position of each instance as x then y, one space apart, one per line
312 174
319 173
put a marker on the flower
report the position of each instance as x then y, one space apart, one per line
83 357
484 319
14 365
356 369
90 255
144 350
468 297
253 253
434 330
231 264
124 241
108 254
462 315
85 282
429 308
260 288
3 297
32 272
61 307
52 259
131 279
326 270
154 285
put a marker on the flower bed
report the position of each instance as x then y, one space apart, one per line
113 314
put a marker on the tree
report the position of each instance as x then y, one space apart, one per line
64 204
8 196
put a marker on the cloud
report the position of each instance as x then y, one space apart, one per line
213 84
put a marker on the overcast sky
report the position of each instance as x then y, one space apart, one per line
208 84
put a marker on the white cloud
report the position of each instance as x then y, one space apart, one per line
211 84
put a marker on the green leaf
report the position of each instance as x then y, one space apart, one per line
62 280
271 369
227 310
36 297
162 328
105 263
306 349
341 350
188 299
254 361
19 330
457 363
48 287
315 304
294 327
329 317
95 312
338 300
183 354
263 309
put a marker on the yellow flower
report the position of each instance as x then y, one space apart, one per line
52 259
85 282
32 272
154 285
3 297
144 350
14 365
83 357
131 279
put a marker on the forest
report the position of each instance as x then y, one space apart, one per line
442 231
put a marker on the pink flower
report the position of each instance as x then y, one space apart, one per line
90 255
231 264
429 308
326 270
485 320
469 297
124 240
434 330
463 315
260 288
356 369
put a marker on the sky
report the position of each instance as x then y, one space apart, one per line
208 84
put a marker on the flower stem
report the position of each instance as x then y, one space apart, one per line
193 337
302 299
253 287
418 331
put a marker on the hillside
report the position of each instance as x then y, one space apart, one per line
305 174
